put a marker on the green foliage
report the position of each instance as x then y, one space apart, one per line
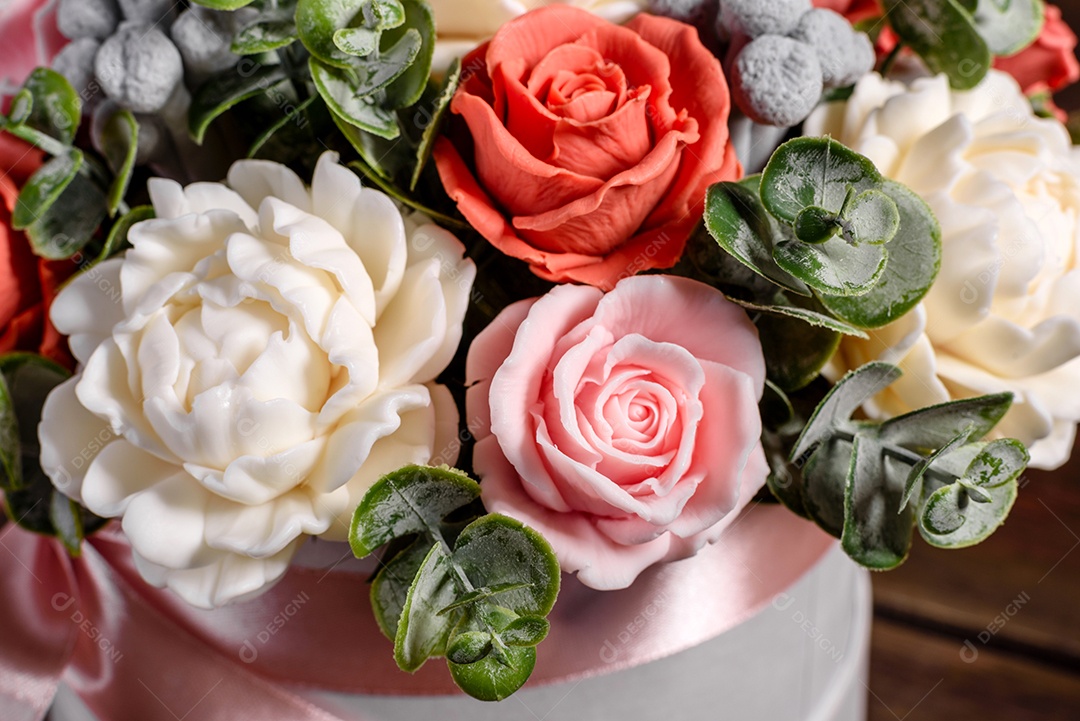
453 583
871 483
30 498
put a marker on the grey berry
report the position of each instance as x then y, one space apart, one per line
844 53
687 11
76 63
203 38
77 19
776 80
139 67
151 12
755 18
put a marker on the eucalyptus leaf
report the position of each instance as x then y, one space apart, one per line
385 158
120 144
1009 27
339 92
318 20
44 188
69 223
834 267
944 35
118 234
264 35
914 481
413 499
417 31
795 350
292 116
226 89
22 104
874 534
825 482
525 631
223 4
1001 461
735 217
358 42
422 632
850 392
490 679
56 109
872 218
949 519
390 586
10 445
469 647
928 429
914 261
64 515
806 315
816 172
433 121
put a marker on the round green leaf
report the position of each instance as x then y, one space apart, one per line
469 647
45 187
228 88
57 109
815 225
264 36
223 4
364 112
872 218
817 172
318 20
492 679
944 35
914 261
949 518
1009 27
834 267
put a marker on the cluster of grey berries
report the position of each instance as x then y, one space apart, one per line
142 55
781 54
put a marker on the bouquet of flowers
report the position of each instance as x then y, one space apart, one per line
514 298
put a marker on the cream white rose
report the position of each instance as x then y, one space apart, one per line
1004 314
261 355
461 25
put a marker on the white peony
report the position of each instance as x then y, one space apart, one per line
463 24
1004 314
261 355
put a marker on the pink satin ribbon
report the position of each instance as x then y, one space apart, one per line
131 651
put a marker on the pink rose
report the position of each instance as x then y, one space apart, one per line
29 37
1049 62
624 427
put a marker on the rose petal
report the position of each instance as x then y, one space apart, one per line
71 437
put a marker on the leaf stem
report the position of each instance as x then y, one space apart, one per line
49 144
890 59
911 458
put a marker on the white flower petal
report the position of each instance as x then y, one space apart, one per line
119 473
165 523
256 180
88 307
71 437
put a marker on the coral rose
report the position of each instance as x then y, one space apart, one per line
1048 63
592 143
624 438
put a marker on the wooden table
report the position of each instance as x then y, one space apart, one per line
990 632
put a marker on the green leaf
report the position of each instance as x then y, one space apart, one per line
421 631
120 141
815 225
469 647
525 631
928 429
318 20
434 117
1009 27
834 267
875 535
825 482
497 551
850 392
119 232
264 35
44 187
490 679
70 222
226 89
64 515
806 315
944 35
483 593
795 350
914 481
735 217
914 261
390 586
389 13
872 218
223 4
417 31
949 519
814 172
413 499
293 116
22 104
340 95
357 41
10 445
1001 461
57 109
